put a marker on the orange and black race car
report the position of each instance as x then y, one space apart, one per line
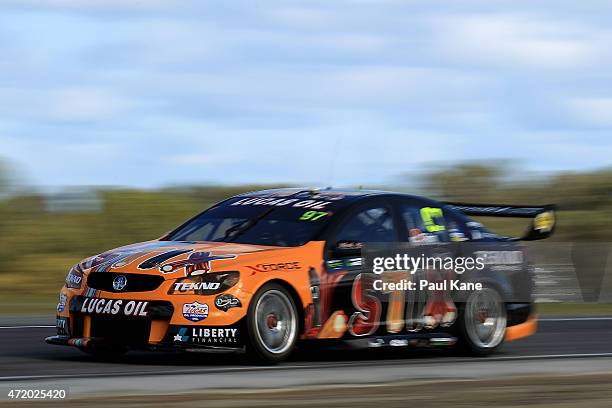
266 270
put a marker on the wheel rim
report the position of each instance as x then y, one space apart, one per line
275 321
485 318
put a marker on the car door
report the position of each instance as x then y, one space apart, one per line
342 300
430 229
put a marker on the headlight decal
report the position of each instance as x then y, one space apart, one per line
74 279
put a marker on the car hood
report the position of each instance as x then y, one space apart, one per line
174 259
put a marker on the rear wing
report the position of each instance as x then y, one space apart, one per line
543 218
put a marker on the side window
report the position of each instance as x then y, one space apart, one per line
457 230
425 223
371 225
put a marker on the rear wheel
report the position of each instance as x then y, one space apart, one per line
482 323
272 324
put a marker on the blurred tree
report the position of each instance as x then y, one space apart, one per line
584 199
465 181
4 178
39 242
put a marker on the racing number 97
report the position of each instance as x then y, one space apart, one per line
313 215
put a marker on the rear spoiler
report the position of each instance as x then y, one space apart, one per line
543 218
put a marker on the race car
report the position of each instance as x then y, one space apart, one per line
268 270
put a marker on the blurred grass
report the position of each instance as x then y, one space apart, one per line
38 245
574 309
41 238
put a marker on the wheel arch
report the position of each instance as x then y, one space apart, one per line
294 296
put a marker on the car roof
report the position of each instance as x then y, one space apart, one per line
328 191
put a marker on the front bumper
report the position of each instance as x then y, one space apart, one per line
90 323
101 343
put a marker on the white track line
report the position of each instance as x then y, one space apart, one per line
572 319
546 356
26 327
289 367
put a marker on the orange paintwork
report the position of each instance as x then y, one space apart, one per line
528 328
250 261
86 326
253 262
158 331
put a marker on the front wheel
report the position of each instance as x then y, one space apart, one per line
272 324
482 323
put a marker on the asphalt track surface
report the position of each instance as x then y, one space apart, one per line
562 345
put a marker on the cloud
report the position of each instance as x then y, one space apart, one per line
514 40
197 159
64 104
595 111
261 91
94 5
303 16
83 103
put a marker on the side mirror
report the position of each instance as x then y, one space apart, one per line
345 248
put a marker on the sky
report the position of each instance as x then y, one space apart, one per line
344 92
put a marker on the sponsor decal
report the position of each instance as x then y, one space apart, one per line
335 264
344 263
197 263
195 311
501 257
226 301
183 287
313 215
119 283
280 202
61 306
347 244
182 335
353 262
207 336
455 233
74 278
61 324
502 260
417 236
114 307
207 284
281 266
328 196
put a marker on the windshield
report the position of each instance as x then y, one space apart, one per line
261 220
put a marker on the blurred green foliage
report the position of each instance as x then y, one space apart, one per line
39 242
584 200
38 246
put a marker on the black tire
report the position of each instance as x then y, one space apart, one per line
272 324
482 331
